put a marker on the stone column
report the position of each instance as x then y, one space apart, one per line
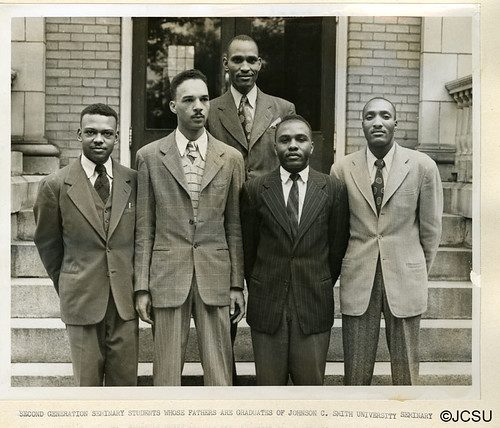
28 97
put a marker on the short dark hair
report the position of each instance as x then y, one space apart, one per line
182 77
380 98
296 117
241 38
100 109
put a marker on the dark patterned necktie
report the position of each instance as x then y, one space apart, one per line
245 115
192 150
292 205
101 184
378 185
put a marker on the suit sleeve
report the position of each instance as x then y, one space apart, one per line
145 225
232 223
250 224
430 213
338 229
48 234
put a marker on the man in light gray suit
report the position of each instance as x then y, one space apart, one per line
396 204
189 257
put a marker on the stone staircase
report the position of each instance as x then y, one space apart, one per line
40 350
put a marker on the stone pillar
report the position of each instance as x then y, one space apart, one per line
461 92
28 97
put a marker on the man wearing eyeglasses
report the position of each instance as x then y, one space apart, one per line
85 227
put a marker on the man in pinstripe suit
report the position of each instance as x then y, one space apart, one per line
188 252
295 233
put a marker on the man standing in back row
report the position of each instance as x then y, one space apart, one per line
396 204
245 117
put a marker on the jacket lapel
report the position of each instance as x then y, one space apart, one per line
273 198
361 178
79 193
213 162
399 170
120 196
262 118
314 201
228 115
172 160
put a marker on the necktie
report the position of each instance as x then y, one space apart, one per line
192 150
101 184
378 184
245 115
292 205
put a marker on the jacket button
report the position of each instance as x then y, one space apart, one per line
196 245
191 221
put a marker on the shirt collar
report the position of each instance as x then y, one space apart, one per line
370 157
89 166
285 175
182 143
251 96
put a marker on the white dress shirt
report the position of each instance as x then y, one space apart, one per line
287 182
182 143
251 97
89 168
372 169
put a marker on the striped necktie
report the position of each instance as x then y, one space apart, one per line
292 205
192 150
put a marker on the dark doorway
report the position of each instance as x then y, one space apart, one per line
298 64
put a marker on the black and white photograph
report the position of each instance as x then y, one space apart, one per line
274 202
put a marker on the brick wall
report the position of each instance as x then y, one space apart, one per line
83 67
383 60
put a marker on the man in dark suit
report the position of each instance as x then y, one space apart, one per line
85 223
245 117
189 254
396 205
295 233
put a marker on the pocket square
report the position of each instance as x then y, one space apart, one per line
275 123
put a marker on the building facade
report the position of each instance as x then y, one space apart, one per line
329 67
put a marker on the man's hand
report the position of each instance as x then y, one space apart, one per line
143 306
237 298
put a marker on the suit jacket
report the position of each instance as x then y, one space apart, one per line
406 234
259 155
80 258
169 243
308 266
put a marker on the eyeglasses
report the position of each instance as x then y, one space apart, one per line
92 133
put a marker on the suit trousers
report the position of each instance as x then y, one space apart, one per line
171 333
360 335
290 352
107 351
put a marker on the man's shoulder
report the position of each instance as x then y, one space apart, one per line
221 99
322 178
348 160
281 102
222 147
153 146
421 159
125 170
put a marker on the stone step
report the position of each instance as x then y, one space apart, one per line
43 340
452 264
23 191
16 163
60 374
37 298
454 230
25 261
25 222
